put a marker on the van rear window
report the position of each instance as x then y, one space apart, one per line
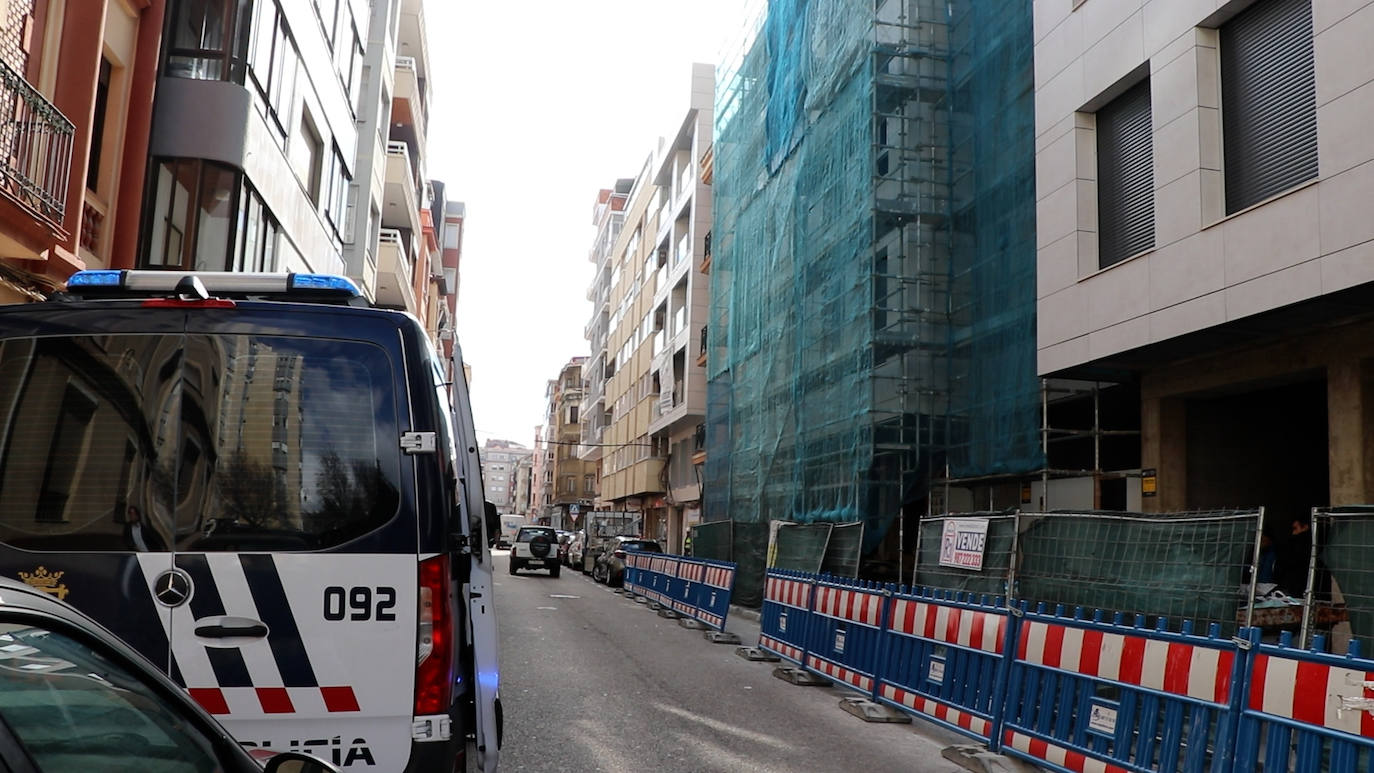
202 442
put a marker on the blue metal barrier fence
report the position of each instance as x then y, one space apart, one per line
694 587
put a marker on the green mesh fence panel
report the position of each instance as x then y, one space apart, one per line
843 550
872 280
750 551
992 579
799 547
1185 566
712 540
1345 539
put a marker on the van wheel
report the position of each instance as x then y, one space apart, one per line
514 566
599 574
555 570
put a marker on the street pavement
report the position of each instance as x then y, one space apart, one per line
592 681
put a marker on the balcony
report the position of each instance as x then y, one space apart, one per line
395 285
400 202
701 352
35 161
705 266
410 102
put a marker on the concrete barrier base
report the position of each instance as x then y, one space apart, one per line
668 613
757 653
721 637
800 676
641 600
691 622
870 711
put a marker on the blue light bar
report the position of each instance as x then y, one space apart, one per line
323 282
102 278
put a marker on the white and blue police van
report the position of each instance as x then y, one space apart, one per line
272 491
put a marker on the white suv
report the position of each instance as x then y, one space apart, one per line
535 546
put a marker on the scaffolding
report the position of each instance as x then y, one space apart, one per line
854 352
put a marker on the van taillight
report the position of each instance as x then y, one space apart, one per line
434 655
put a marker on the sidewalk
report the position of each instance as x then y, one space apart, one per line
959 749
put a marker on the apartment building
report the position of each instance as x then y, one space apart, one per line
1203 178
573 479
254 138
521 490
500 458
79 80
608 217
541 470
681 306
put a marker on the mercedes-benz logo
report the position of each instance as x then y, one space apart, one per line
172 588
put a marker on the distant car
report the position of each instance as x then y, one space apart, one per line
565 539
535 547
73 696
610 565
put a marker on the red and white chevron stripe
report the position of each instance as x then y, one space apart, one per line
1174 667
1314 693
224 701
691 571
715 621
856 606
932 708
952 625
836 671
720 577
781 647
793 593
1057 755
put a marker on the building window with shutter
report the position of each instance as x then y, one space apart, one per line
1268 101
1125 176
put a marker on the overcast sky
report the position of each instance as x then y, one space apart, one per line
537 105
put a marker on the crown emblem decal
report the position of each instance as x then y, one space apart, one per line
46 581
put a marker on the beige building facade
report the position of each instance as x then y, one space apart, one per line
1203 179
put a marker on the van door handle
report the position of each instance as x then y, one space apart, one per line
228 627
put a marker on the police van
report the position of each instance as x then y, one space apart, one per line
271 490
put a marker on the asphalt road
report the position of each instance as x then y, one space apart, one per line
592 681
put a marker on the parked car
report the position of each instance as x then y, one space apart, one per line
535 548
610 565
73 696
577 548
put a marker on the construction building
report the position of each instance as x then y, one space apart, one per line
871 331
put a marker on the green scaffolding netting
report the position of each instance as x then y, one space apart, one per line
872 301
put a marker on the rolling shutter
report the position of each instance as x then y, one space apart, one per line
1268 101
1125 176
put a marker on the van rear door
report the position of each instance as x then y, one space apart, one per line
296 527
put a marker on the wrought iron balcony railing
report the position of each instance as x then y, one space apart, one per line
35 146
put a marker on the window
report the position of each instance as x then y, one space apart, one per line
589 484
67 447
336 204
569 484
258 233
198 31
572 414
190 223
1268 101
102 100
306 159
272 66
1125 176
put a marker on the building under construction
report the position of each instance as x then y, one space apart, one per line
872 323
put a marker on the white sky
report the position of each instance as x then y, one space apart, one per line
536 106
